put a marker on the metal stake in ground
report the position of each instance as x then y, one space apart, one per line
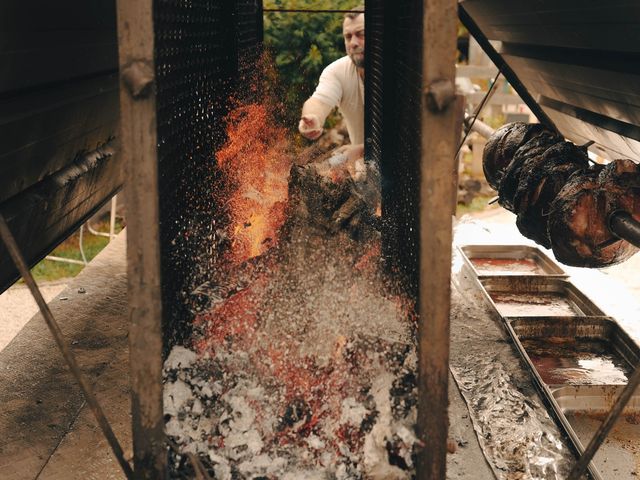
18 260
605 428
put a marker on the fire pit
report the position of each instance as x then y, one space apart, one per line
302 362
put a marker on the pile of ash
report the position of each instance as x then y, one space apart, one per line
244 427
302 361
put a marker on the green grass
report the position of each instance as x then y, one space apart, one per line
48 270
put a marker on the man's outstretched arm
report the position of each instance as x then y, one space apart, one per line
314 113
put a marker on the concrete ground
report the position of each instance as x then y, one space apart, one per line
17 306
46 429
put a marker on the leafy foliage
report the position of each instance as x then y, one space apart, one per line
302 44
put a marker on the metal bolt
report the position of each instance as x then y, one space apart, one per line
440 94
138 77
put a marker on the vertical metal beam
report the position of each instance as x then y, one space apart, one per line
138 136
438 123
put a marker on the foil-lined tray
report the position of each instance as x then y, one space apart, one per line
579 358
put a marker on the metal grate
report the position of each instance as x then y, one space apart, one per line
393 109
198 46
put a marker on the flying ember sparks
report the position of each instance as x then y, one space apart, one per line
256 163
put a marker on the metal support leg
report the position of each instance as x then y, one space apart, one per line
112 221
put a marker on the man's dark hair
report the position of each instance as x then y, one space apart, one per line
355 11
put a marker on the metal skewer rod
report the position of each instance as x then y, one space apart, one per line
624 226
581 466
18 260
478 126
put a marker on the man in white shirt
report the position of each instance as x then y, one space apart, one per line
341 84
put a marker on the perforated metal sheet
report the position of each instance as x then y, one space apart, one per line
394 78
199 45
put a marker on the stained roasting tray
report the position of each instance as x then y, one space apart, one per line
590 361
587 350
533 296
500 260
581 365
592 400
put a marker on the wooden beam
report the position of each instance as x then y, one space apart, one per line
438 122
139 140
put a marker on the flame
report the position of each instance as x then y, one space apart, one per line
256 163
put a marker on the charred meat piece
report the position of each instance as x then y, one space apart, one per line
528 152
541 179
502 146
578 222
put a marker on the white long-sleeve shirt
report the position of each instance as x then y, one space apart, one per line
340 85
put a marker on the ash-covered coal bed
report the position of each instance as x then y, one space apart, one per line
302 362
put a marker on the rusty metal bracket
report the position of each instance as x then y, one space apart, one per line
69 357
439 95
138 77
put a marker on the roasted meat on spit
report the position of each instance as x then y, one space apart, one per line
560 201
502 146
541 180
579 217
528 152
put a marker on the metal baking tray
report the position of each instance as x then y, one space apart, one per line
532 296
491 260
584 345
584 410
587 351
593 400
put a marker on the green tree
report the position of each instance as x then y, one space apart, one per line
302 44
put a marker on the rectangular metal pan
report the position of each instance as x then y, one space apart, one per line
619 456
531 296
584 408
590 351
492 260
593 400
580 408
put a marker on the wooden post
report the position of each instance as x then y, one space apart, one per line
439 118
138 139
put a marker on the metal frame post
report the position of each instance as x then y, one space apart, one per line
139 148
438 150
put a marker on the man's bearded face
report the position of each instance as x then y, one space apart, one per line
353 33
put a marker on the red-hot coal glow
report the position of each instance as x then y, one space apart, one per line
256 164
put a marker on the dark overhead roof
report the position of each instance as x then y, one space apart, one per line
580 61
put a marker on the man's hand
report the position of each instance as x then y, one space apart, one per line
353 152
310 127
344 162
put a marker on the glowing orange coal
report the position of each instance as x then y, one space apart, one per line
256 165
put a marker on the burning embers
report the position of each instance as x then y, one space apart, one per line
255 163
242 426
302 363
311 377
561 201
